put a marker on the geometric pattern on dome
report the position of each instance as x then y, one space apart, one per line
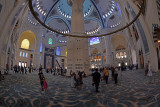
65 9
114 21
94 10
58 23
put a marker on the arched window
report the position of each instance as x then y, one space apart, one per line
50 41
25 44
41 47
121 55
125 54
117 56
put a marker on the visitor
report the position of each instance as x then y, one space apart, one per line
29 69
15 69
41 77
149 69
76 78
44 84
106 73
96 79
22 69
116 75
7 68
40 68
80 77
72 74
19 69
1 76
146 69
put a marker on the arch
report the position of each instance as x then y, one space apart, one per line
121 55
119 42
25 38
117 55
120 47
95 51
58 17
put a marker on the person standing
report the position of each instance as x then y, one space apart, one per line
146 69
116 75
149 69
41 78
7 68
96 79
44 84
72 74
106 73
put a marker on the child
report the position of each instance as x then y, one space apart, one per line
44 84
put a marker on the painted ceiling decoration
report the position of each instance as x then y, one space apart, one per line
57 14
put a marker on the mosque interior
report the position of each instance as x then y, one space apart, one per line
80 35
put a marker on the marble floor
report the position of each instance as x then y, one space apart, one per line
133 90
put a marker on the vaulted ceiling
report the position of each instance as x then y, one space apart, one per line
57 14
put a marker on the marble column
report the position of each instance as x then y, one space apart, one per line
109 56
77 48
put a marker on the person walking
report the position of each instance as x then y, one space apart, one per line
106 73
44 84
72 74
146 69
149 69
116 75
96 79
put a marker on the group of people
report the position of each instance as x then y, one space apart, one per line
103 75
97 74
22 70
77 78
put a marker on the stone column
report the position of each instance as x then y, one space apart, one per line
77 48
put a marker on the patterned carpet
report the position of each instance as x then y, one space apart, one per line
133 90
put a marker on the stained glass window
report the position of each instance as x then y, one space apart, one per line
94 40
25 44
41 47
58 51
50 41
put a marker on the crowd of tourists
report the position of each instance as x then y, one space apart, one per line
98 75
102 75
22 70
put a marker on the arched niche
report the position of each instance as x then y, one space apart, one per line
95 51
26 47
27 36
119 41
